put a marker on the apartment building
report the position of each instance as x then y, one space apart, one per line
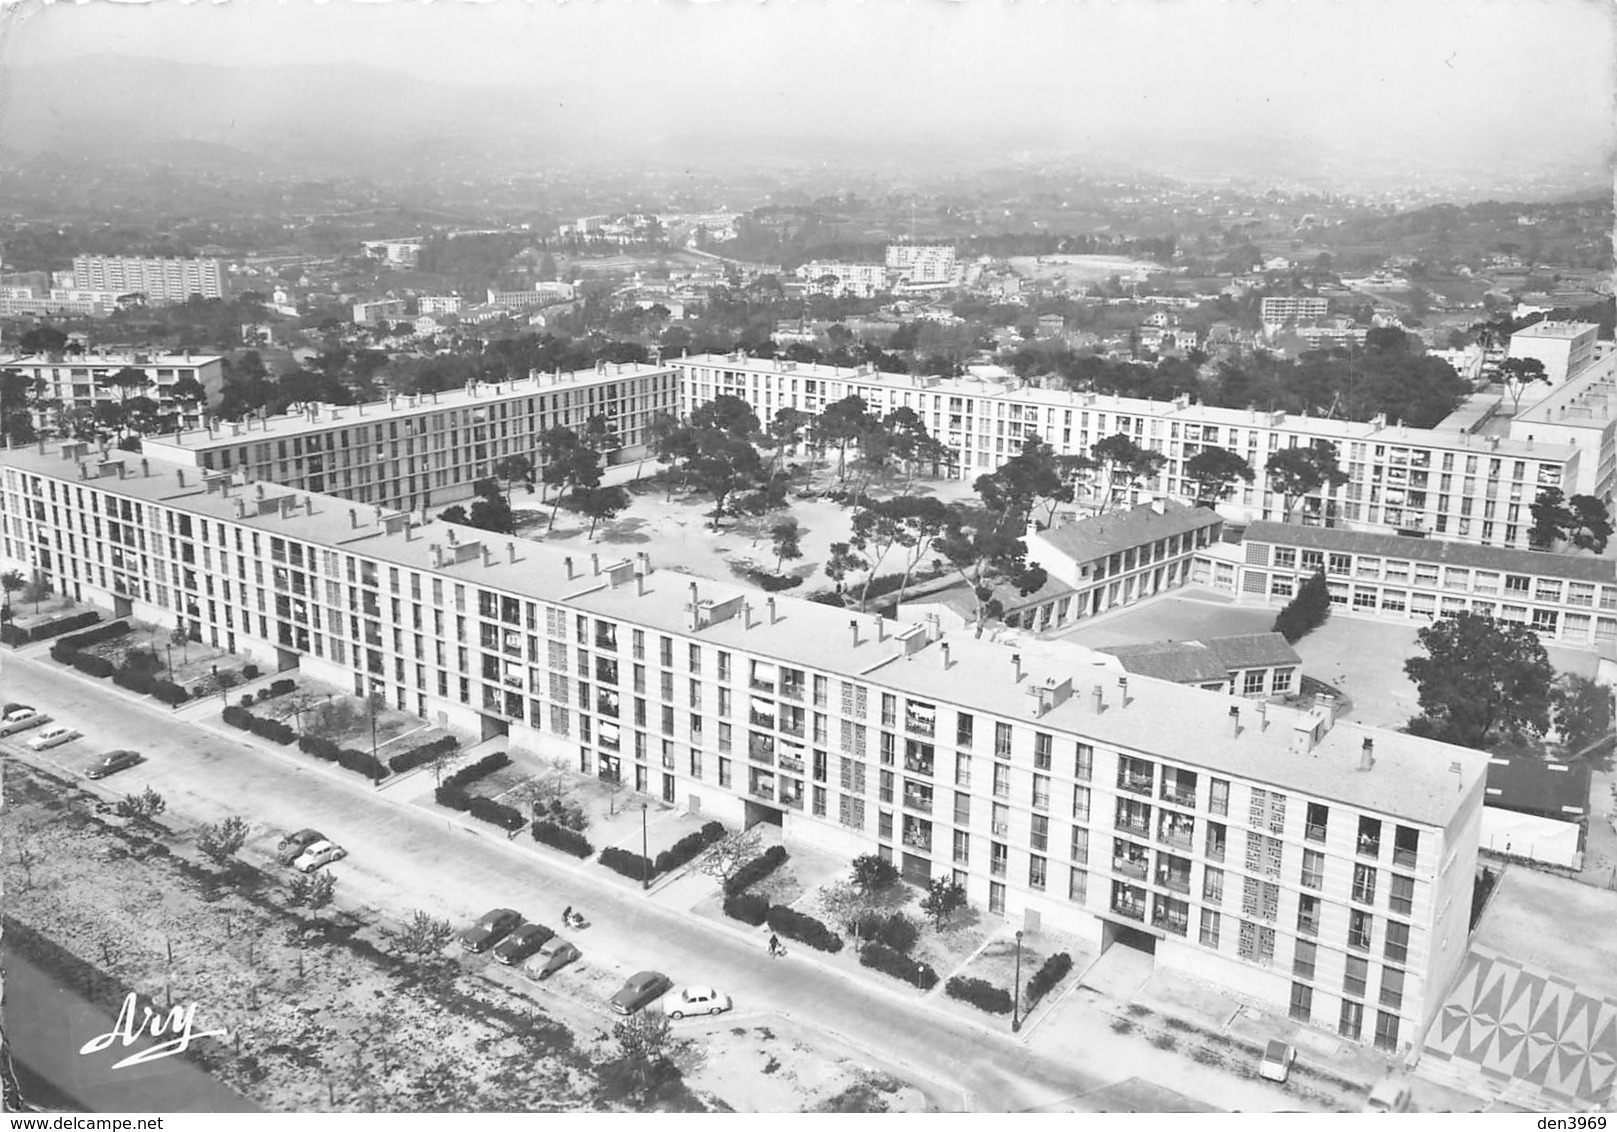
1582 412
860 280
418 451
439 304
1279 310
540 295
404 251
1569 600
372 311
922 265
1565 348
78 381
1443 482
1321 870
160 280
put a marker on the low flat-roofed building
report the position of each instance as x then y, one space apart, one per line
1252 664
81 381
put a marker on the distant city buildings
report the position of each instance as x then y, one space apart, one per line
922 266
855 280
371 312
67 382
439 304
1283 310
402 252
542 294
160 280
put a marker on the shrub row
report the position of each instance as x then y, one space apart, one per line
244 720
418 756
773 583
1051 972
567 840
360 762
91 664
169 692
803 928
11 634
983 995
881 958
625 863
148 685
755 870
277 688
83 640
687 848
896 931
482 768
747 908
506 817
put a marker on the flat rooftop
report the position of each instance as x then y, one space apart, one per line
1417 779
1505 559
319 418
130 358
1588 399
1556 330
1187 411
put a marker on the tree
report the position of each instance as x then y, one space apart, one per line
784 536
126 383
295 705
223 839
728 414
844 560
842 423
1016 485
1215 471
944 897
1551 517
1583 712
1590 524
785 432
143 807
1519 373
988 558
17 395
725 462
659 429
1303 470
189 392
1480 680
847 906
455 514
731 853
1582 520
600 503
872 875
490 511
422 936
42 340
513 468
12 581
925 519
643 1039
1124 463
1306 611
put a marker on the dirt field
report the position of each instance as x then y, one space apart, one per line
1542 920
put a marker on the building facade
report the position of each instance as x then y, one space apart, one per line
1278 310
68 382
1441 482
1581 412
160 280
1321 870
372 311
1569 600
1565 348
860 280
427 450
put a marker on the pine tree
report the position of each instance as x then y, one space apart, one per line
1306 611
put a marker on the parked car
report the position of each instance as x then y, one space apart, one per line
114 762
522 943
641 989
695 1000
21 718
493 927
320 853
53 736
293 844
554 954
1391 1094
1277 1059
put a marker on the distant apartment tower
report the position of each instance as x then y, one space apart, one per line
440 304
1565 348
543 294
404 252
82 381
160 280
1278 310
371 312
859 280
920 265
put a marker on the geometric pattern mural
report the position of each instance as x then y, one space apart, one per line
1520 1025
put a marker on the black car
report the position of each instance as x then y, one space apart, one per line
642 988
493 927
522 943
293 844
113 763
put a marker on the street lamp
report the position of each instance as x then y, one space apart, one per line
371 703
220 683
169 649
1016 1001
645 881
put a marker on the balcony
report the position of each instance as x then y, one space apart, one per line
1404 858
919 839
1136 828
1000 828
791 764
1179 836
795 800
924 766
1137 783
758 790
1137 869
1215 850
1369 846
996 867
1313 832
1176 922
1133 909
758 719
1174 879
914 800
1185 798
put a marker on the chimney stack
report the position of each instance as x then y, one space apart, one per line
1123 689
1367 754
511 551
945 647
640 585
1263 717
595 563
769 603
1235 721
179 474
1016 667
881 627
746 615
1100 699
488 557
145 467
568 562
854 625
353 519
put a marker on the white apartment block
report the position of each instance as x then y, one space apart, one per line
1582 412
859 280
78 381
1565 348
372 311
405 251
1321 870
439 304
542 294
160 280
1445 483
922 265
1278 310
417 451
1568 600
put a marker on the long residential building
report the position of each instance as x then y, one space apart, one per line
1445 483
1323 870
160 280
67 382
424 450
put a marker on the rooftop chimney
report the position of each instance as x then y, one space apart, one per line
645 561
353 518
1367 754
854 625
1100 699
1123 689
640 585
1016 667
746 615
511 552
145 466
488 556
568 562
595 563
179 474
881 627
945 647
1263 717
769 603
1235 721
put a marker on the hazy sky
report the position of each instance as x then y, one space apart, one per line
1517 82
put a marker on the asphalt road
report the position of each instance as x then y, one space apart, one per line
404 856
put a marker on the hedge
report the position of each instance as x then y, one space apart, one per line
453 797
884 959
482 768
896 931
625 863
687 847
95 636
558 837
803 928
361 762
755 870
417 756
272 729
92 665
1051 972
237 717
496 813
13 634
134 680
983 995
169 692
747 908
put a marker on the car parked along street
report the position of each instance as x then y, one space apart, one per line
113 762
641 989
522 943
554 954
292 845
494 926
53 736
